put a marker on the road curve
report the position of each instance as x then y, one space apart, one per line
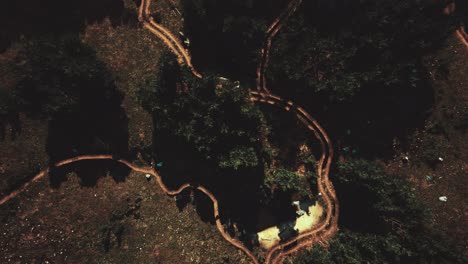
329 225
144 15
275 26
324 229
146 170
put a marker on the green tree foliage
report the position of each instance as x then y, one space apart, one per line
354 247
239 157
400 235
286 181
359 66
339 47
213 115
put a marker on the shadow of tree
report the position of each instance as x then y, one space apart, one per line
64 82
35 18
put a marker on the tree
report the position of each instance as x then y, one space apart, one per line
286 181
329 48
342 58
400 236
212 115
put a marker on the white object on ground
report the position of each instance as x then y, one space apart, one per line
443 198
148 175
300 212
295 203
441 159
320 193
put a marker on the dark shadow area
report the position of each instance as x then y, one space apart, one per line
354 210
35 18
461 13
183 199
238 191
365 95
204 206
226 35
63 82
100 127
10 122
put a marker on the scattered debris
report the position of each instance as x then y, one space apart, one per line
443 198
440 159
148 176
405 159
428 178
159 164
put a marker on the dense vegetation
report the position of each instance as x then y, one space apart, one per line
208 132
381 221
207 114
358 65
338 58
343 58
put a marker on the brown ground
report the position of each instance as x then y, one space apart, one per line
449 71
170 19
133 56
21 156
73 224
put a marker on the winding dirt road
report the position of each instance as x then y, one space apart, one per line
144 15
328 226
321 231
271 33
146 170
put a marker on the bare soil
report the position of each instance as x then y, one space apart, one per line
443 137
131 222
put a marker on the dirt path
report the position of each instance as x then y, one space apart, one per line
146 170
144 15
462 36
328 226
324 229
271 33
